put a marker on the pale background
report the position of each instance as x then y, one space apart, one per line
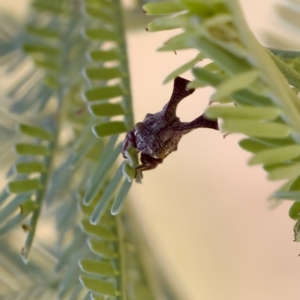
204 210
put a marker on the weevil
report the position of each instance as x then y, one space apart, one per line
159 134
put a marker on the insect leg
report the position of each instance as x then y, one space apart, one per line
148 162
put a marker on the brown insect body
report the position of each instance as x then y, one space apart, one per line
159 134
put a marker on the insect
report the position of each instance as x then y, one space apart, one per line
159 134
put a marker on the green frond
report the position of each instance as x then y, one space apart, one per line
246 74
30 190
108 83
39 146
109 272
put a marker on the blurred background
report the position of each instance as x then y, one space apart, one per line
204 212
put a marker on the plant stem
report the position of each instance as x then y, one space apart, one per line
45 178
119 30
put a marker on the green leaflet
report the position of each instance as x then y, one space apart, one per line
184 68
234 84
132 159
230 63
162 8
50 65
294 211
30 167
41 49
285 172
207 77
242 112
161 24
30 149
275 143
104 55
97 297
103 268
179 42
273 156
51 7
97 231
109 128
102 73
129 168
27 207
100 34
252 145
243 97
23 186
102 249
36 132
98 286
98 12
196 84
218 20
103 93
256 129
295 185
107 109
205 8
43 32
129 172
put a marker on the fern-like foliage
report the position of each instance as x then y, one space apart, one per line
60 163
243 72
70 105
108 79
114 270
36 155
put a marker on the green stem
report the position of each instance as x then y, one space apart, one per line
121 259
280 92
45 178
119 30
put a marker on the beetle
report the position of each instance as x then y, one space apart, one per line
159 134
